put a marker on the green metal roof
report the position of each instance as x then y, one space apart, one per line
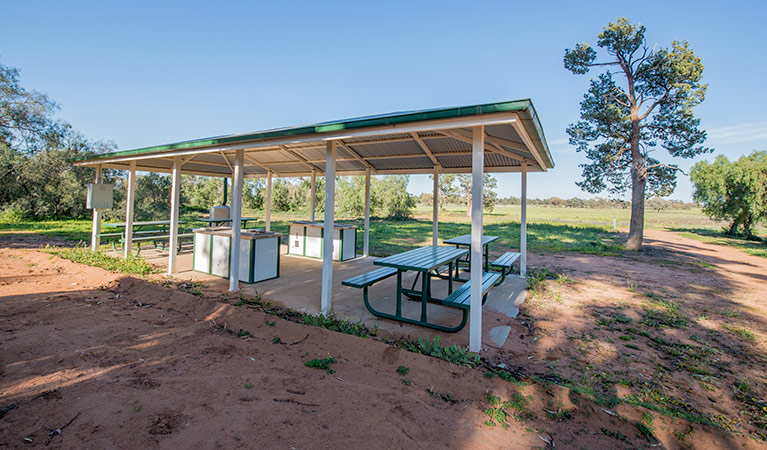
524 107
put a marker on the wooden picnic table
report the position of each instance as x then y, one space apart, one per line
423 260
465 241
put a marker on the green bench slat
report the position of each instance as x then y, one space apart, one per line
461 297
159 238
366 279
507 259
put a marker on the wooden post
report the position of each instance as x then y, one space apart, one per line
175 190
234 247
327 244
314 191
96 230
269 200
366 237
523 225
129 200
477 178
435 209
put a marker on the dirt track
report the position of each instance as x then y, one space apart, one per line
133 364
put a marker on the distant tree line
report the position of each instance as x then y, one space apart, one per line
657 204
388 195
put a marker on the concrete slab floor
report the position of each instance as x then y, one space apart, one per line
298 288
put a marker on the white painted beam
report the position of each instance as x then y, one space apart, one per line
314 192
96 229
269 201
425 149
327 248
477 178
366 237
523 225
175 193
236 211
129 201
435 209
528 142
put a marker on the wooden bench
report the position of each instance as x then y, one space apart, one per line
505 262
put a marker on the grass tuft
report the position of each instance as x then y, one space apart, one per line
454 354
331 322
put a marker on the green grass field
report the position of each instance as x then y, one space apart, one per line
550 229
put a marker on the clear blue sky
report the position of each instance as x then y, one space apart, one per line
145 73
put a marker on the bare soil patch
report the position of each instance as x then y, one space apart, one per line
95 359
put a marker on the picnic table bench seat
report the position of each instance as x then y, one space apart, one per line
461 297
369 278
504 263
154 238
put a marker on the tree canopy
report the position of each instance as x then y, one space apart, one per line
734 191
625 116
36 178
455 188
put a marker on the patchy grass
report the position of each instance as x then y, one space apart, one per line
754 246
499 412
333 323
133 265
740 332
322 364
537 283
646 427
659 311
76 229
444 396
454 354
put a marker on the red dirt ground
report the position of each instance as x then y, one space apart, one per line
119 362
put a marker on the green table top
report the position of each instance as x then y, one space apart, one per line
228 219
466 240
422 259
140 224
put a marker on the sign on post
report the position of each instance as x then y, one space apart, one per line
99 196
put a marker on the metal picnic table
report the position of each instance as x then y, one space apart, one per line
465 241
227 220
141 228
423 260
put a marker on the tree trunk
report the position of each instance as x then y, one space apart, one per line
638 185
468 207
636 230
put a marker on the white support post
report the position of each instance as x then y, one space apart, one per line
327 236
130 199
366 237
477 178
435 211
269 200
523 225
234 247
314 191
96 230
175 189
